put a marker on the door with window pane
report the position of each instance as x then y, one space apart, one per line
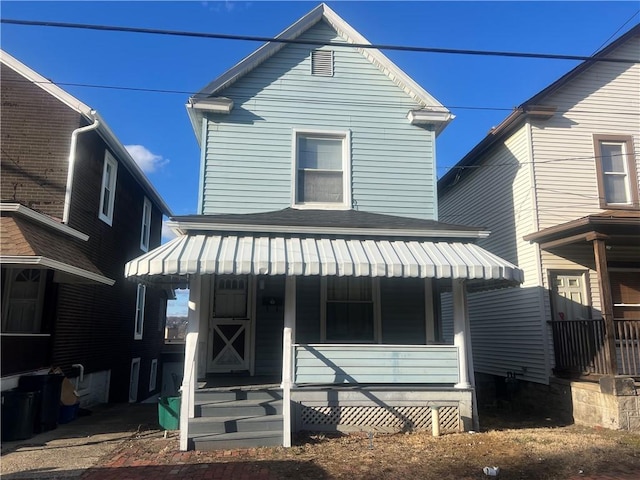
24 296
230 326
568 296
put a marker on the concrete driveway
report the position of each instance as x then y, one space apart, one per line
70 449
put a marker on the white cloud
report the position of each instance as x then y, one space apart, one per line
167 233
149 162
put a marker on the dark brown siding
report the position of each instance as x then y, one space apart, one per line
93 324
35 136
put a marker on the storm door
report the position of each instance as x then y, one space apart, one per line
230 326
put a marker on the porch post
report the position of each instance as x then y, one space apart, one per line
190 378
461 330
287 356
606 304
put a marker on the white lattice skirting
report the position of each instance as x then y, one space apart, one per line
376 418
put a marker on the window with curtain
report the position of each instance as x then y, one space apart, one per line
320 169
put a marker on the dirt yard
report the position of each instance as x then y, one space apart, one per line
522 448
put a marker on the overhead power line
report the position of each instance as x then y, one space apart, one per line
285 98
297 41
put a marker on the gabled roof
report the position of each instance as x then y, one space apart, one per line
90 114
342 28
531 107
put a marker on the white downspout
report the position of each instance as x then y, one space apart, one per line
72 161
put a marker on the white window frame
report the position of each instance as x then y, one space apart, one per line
345 136
153 375
109 161
134 380
7 300
628 173
139 318
377 324
145 228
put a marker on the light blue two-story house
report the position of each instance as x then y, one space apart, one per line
315 262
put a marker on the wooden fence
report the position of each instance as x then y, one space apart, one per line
579 346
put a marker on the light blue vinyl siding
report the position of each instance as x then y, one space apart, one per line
249 152
330 364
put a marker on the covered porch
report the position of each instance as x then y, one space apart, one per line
348 319
605 341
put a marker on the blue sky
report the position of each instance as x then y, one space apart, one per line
478 90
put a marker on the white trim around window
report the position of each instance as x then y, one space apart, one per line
145 228
616 171
330 139
139 319
108 188
134 379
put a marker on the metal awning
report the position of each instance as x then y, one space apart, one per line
202 254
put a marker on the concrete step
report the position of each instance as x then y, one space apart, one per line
215 425
235 440
237 408
237 394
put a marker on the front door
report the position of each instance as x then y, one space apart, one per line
568 296
230 325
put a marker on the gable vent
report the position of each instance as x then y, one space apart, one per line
322 63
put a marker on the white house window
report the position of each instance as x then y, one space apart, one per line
140 301
322 176
322 63
108 190
24 294
617 183
145 229
350 310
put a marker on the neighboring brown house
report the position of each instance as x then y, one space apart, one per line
557 184
75 208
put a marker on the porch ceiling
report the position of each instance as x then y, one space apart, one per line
202 254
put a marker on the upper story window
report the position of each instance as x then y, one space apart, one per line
322 63
617 179
22 301
108 190
140 302
322 174
145 229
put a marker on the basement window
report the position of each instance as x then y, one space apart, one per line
322 63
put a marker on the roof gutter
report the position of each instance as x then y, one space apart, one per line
72 162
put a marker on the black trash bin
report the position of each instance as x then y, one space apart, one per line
18 414
48 405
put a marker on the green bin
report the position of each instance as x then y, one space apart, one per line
169 412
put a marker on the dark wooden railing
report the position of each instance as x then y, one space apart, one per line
579 347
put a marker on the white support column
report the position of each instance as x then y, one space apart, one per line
461 330
288 339
190 375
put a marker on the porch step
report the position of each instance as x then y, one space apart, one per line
225 395
235 440
237 408
217 425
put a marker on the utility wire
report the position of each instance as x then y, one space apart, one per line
298 41
283 98
616 32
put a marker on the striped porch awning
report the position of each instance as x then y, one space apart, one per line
202 254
